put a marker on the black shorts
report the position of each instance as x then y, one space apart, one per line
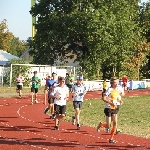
19 87
77 104
124 84
109 112
60 109
50 100
34 90
69 86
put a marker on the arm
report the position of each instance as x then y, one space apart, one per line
73 91
85 91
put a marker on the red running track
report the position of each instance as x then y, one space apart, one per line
26 127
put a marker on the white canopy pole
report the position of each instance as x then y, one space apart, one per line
10 74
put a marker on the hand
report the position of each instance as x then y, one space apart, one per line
120 101
67 99
57 97
74 95
111 103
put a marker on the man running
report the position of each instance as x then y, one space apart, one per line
35 86
51 84
125 82
46 88
69 80
78 93
19 82
60 95
111 98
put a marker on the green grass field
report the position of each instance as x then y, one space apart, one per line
12 90
133 117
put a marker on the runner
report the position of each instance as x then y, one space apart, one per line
46 88
111 97
125 82
105 86
19 82
51 84
35 85
69 80
78 93
60 95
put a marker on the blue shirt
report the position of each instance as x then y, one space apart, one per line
51 84
78 90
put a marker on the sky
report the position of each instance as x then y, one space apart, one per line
16 12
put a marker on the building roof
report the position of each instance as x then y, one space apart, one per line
25 52
4 56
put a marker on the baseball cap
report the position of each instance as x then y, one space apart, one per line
54 72
79 78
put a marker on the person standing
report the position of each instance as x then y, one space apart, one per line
35 86
78 93
60 95
69 80
19 82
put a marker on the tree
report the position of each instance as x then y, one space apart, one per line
5 36
10 43
105 28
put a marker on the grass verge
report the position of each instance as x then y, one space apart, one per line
10 91
133 117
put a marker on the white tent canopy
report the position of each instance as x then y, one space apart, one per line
5 57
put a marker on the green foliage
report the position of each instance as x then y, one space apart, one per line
99 33
15 70
10 43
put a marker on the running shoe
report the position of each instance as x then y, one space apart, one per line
107 130
78 127
112 141
56 128
46 110
36 101
98 127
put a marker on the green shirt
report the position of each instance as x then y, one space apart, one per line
35 82
70 80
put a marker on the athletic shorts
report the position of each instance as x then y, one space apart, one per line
109 112
60 109
51 100
77 104
19 87
34 90
124 84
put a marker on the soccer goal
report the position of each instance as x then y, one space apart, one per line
42 70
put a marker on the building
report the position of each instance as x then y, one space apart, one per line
6 57
27 57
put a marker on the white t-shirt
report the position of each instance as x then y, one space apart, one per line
61 92
108 92
19 80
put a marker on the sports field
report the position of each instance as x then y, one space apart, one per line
24 126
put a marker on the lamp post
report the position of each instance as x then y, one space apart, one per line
33 19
